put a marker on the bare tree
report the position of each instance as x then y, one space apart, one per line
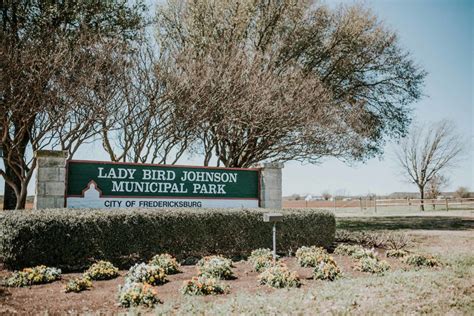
463 192
52 54
142 124
285 80
326 195
436 185
55 113
427 151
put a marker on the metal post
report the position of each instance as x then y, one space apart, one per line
274 241
334 203
447 206
375 203
360 204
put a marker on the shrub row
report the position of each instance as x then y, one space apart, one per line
72 239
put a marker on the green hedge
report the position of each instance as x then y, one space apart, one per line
73 238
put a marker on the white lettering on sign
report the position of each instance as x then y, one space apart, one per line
158 175
202 176
153 187
119 173
208 188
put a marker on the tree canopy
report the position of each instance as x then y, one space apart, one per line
286 80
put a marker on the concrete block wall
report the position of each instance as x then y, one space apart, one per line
50 179
271 185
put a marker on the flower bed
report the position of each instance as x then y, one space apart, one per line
261 259
311 256
145 273
102 270
215 266
138 294
279 276
78 285
166 262
204 285
32 276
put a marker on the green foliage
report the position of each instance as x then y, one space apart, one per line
137 294
204 285
144 273
31 276
125 237
279 276
327 270
348 250
102 270
38 19
396 253
420 260
311 256
261 259
372 265
78 285
166 262
364 253
215 266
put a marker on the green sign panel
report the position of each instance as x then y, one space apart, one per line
103 184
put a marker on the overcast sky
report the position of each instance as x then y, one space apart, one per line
439 34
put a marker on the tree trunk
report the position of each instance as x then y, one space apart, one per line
21 201
11 200
422 196
9 196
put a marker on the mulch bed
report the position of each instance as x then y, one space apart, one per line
103 296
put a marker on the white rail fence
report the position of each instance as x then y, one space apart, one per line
375 205
409 204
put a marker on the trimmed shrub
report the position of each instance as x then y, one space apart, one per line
204 285
372 265
396 253
279 276
311 256
137 294
215 266
72 239
102 270
32 276
261 259
419 260
78 284
327 270
166 262
144 273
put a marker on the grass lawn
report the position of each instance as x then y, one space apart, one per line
396 223
403 290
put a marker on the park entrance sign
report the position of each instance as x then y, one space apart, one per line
95 184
